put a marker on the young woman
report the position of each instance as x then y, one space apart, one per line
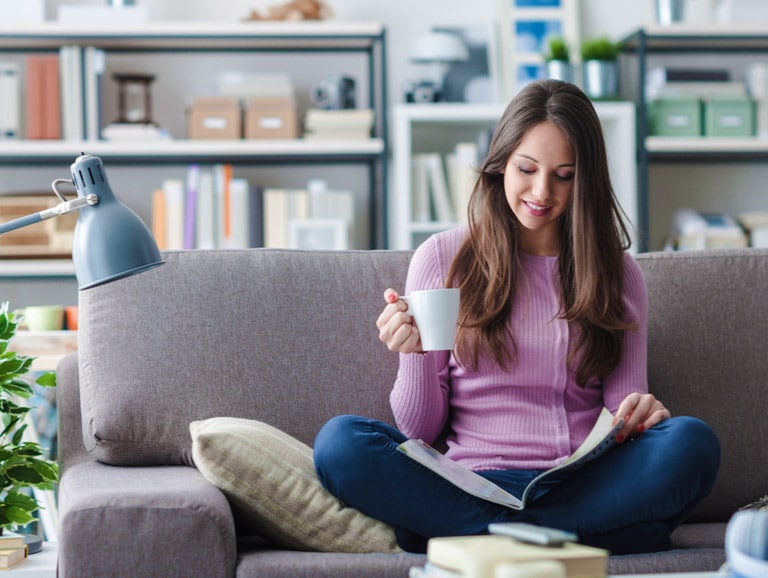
553 326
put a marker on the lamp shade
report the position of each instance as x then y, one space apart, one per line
111 241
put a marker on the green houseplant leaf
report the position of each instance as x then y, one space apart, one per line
22 466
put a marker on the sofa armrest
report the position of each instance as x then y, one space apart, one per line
143 521
71 447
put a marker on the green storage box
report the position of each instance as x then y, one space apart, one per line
675 117
730 116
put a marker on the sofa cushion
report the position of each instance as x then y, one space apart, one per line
269 478
268 334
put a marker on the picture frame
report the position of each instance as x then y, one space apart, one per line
318 234
526 26
478 80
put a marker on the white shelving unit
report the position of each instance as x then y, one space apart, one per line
365 42
719 47
437 128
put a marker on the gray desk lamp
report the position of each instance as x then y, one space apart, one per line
111 241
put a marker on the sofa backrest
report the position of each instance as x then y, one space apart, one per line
708 357
289 337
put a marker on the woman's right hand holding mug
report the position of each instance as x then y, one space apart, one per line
396 327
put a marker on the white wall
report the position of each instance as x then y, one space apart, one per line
405 19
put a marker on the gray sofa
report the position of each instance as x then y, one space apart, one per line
289 338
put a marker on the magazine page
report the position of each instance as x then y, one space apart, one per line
457 474
599 440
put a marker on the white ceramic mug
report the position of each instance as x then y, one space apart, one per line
435 313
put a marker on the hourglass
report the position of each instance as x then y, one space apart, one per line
134 99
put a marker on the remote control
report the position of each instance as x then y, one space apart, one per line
533 534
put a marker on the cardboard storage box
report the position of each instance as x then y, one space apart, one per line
267 118
675 117
215 118
730 116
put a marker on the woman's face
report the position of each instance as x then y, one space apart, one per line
538 182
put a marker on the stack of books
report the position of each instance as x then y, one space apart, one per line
13 550
348 124
497 556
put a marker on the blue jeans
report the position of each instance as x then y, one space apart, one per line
629 500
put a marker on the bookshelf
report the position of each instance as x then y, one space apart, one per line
438 127
188 54
728 170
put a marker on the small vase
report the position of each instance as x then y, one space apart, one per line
601 79
560 70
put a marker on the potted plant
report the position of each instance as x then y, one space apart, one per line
600 67
557 57
22 464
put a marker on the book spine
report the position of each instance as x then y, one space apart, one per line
256 216
9 100
191 206
34 86
174 197
159 219
52 98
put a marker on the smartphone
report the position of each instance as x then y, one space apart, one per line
531 534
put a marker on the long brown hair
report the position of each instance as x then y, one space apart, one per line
593 239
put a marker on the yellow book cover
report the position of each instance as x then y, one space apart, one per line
478 556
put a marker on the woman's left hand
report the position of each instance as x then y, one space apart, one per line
641 411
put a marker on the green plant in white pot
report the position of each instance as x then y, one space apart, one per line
600 61
557 57
22 463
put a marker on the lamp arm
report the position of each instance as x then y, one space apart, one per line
61 209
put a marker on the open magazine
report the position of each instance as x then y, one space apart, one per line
599 441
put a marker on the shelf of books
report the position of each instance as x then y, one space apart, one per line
65 79
438 149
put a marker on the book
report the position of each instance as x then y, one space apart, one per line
239 190
174 212
462 167
94 64
51 98
438 187
420 186
485 556
205 227
134 132
256 216
698 230
34 89
600 439
10 557
71 78
755 223
280 207
159 219
11 540
10 97
190 206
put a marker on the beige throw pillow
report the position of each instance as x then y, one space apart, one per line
269 478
